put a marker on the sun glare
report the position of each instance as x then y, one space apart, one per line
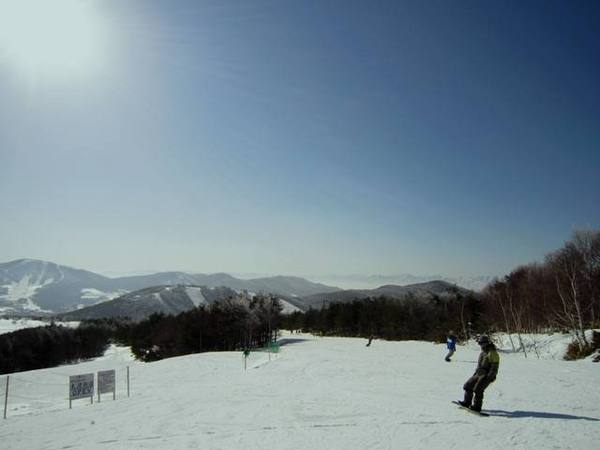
49 37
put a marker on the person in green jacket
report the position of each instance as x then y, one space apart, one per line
487 369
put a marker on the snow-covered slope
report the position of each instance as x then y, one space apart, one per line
287 307
41 287
319 393
10 325
140 304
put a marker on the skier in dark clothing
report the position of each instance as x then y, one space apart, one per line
451 344
487 369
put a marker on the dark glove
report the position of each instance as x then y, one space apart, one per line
491 379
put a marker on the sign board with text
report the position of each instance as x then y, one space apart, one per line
106 382
81 386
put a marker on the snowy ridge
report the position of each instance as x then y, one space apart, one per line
140 304
30 285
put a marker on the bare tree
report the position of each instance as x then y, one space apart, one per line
566 265
587 244
517 303
564 292
497 292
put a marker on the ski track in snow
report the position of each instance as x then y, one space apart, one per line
62 274
318 393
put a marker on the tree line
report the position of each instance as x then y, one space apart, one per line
560 293
234 323
394 319
49 346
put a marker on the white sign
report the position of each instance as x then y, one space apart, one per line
106 381
81 386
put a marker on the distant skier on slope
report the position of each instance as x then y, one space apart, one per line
487 369
370 340
451 344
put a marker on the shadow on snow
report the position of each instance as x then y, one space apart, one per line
536 414
287 341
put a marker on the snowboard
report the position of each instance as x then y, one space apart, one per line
482 414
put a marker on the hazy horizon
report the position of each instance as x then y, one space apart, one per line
297 138
247 275
339 280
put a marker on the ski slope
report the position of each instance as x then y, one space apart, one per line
318 393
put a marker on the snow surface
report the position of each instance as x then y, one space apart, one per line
287 307
10 325
100 296
196 296
22 292
317 393
544 346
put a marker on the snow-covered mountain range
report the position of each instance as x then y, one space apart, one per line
166 299
35 287
32 286
158 299
29 286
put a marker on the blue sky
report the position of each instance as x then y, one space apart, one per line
314 137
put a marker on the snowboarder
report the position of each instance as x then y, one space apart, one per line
487 369
451 344
370 340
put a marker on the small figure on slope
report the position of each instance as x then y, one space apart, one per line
451 344
487 369
370 340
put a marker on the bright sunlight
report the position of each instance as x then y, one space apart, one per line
43 38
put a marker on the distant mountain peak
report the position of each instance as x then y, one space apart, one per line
419 290
28 285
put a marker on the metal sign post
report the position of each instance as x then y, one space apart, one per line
6 396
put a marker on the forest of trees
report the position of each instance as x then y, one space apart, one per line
229 324
393 319
37 348
560 293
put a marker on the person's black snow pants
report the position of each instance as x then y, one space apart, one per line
475 385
